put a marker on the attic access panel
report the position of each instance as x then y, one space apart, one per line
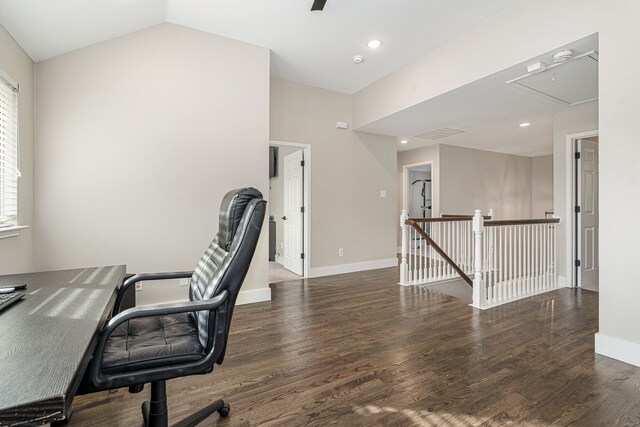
571 83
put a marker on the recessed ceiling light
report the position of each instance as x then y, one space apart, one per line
374 44
404 141
357 59
524 125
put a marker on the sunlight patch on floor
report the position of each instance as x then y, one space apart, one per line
431 419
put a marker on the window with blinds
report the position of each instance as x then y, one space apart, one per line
9 155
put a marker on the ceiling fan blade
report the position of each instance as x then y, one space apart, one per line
318 5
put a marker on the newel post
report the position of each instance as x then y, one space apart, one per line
478 283
405 245
491 214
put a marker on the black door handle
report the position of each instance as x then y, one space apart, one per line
284 217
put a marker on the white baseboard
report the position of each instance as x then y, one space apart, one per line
352 268
563 282
618 349
254 295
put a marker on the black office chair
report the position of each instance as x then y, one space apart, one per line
155 343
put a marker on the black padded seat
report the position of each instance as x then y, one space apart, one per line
149 342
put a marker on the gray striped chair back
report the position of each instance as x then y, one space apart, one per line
226 261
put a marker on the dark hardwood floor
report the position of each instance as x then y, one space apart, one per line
359 350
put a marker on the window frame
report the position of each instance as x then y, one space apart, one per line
10 148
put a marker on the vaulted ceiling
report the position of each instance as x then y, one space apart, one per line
313 48
316 48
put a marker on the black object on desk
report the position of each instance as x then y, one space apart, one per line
46 340
7 300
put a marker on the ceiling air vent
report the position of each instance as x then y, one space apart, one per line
439 133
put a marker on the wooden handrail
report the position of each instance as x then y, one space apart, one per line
447 219
521 222
438 249
487 217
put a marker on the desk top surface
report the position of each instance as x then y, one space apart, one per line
46 340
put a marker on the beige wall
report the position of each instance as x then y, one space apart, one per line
276 199
16 253
619 180
476 179
541 185
348 170
138 139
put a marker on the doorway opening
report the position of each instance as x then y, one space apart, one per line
418 191
289 211
584 227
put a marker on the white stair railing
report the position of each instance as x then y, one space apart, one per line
513 259
435 249
508 259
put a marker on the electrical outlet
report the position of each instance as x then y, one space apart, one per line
139 286
340 252
185 282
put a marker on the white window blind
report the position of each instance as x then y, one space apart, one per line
9 154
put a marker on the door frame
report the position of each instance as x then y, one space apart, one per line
306 188
405 181
571 197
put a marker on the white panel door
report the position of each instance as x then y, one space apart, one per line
292 219
588 215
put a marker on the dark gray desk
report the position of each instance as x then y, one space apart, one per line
46 340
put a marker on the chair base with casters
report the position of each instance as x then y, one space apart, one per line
155 412
156 343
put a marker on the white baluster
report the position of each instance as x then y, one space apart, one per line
405 244
478 283
543 228
417 241
536 259
421 271
555 256
491 214
527 258
494 251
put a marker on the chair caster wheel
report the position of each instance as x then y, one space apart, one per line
224 411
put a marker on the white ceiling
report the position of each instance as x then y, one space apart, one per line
313 48
489 110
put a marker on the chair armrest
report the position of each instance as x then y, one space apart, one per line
149 311
146 277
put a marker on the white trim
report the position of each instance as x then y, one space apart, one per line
497 304
12 231
280 260
307 200
563 283
254 295
617 348
440 282
353 268
570 198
